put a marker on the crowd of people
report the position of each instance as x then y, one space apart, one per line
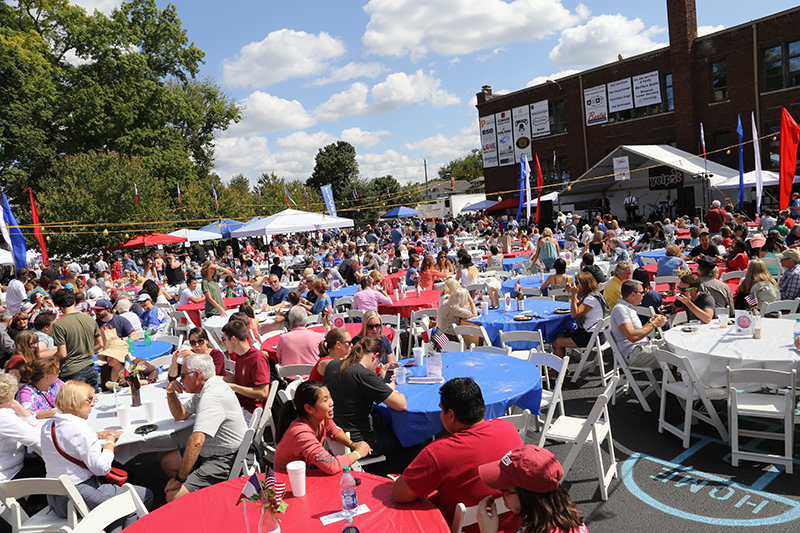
56 321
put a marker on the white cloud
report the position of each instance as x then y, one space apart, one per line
401 89
351 71
705 30
364 139
400 166
238 155
353 101
302 141
103 6
454 27
444 149
538 80
281 55
485 57
265 113
601 39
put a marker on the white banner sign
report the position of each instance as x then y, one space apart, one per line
595 102
620 96
622 168
522 132
488 141
540 119
505 139
646 89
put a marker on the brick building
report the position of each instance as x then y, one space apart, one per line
753 67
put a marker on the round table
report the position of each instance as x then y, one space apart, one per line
303 514
270 346
712 349
347 290
552 325
504 381
148 353
404 306
515 253
528 282
391 280
194 309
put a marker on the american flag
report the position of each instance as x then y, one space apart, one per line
216 202
329 309
180 198
439 338
517 288
751 300
136 194
355 194
279 488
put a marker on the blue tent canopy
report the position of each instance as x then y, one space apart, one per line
401 212
223 226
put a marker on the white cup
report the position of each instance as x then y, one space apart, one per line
400 376
723 321
149 410
297 477
419 356
484 307
124 415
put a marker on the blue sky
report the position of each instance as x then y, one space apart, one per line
397 78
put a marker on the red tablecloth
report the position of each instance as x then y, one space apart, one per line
652 268
733 285
404 306
214 509
391 280
270 346
194 309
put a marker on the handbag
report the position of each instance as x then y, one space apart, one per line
116 476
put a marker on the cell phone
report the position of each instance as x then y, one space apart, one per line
389 375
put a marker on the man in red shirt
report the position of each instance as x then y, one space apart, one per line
715 217
250 382
450 465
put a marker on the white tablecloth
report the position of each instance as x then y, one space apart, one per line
170 434
712 349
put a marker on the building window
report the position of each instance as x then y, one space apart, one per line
668 96
557 174
782 66
719 81
723 152
558 118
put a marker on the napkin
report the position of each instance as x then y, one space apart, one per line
424 379
335 517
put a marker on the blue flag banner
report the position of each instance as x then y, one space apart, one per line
15 239
524 172
327 195
740 131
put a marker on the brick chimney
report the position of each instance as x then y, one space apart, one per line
485 94
682 21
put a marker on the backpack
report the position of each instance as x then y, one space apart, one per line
766 292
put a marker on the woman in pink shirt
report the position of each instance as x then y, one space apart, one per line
303 426
428 273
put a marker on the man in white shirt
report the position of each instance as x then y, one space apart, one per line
219 428
627 330
16 294
124 310
101 265
76 267
93 292
189 293
630 205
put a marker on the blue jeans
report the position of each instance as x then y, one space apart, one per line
87 374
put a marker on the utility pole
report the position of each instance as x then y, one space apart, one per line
425 163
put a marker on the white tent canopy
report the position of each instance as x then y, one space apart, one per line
291 221
768 178
549 197
193 235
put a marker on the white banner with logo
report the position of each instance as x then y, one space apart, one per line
595 102
620 96
622 169
646 89
505 138
540 119
488 141
522 132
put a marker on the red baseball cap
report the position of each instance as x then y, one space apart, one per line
529 467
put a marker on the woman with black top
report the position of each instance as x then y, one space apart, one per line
173 271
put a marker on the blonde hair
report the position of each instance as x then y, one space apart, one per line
673 250
72 395
8 387
756 272
547 232
458 298
369 315
450 285
598 236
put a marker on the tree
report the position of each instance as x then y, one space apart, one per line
77 190
335 165
468 168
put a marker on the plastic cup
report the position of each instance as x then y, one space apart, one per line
419 356
149 410
124 415
400 376
723 321
484 307
297 478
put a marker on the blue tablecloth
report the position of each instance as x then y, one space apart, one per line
148 353
656 254
347 290
504 381
561 243
551 325
530 282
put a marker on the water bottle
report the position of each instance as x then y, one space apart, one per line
130 345
147 341
797 333
348 488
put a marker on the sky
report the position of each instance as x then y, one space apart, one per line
397 78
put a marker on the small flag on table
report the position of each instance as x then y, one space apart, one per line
751 300
517 288
439 338
426 336
251 488
278 488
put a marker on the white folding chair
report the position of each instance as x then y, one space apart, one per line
592 430
466 516
353 314
552 399
110 511
175 340
181 323
230 366
688 390
781 306
268 335
594 346
777 406
267 420
340 304
453 346
285 371
240 466
657 280
470 330
46 519
678 318
531 291
648 260
491 349
627 381
560 295
735 274
507 337
520 421
419 322
287 394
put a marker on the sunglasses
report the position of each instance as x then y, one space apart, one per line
92 400
684 289
184 374
195 343
374 326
